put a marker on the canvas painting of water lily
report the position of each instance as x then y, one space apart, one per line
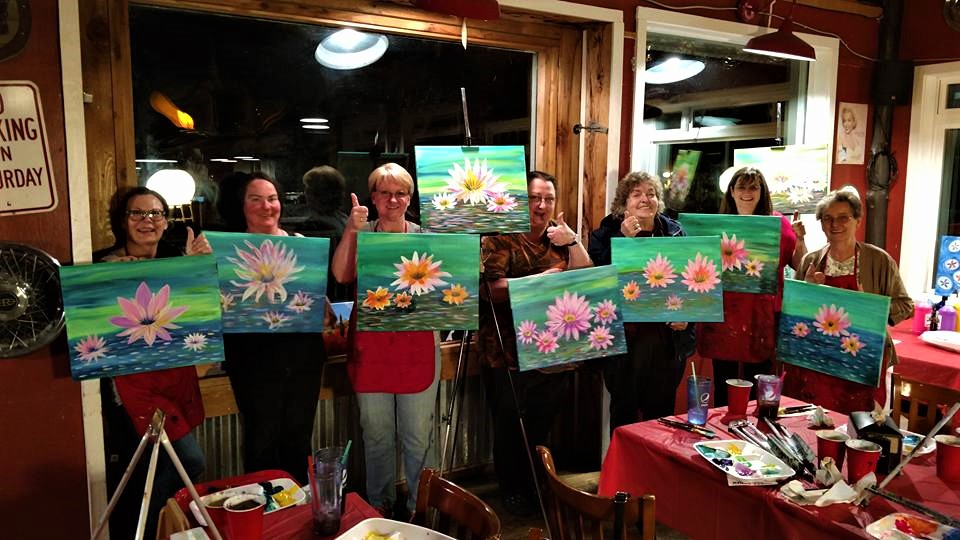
798 175
271 283
134 317
833 331
417 281
567 317
476 189
668 279
749 248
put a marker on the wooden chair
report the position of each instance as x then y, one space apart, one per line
924 403
574 514
448 508
171 520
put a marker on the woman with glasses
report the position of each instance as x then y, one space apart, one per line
275 377
394 374
848 264
744 344
643 383
138 218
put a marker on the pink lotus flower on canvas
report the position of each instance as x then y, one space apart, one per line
832 321
301 302
196 342
527 332
801 330
732 254
600 338
91 348
275 319
420 273
227 301
700 275
546 342
264 270
147 316
501 202
851 344
631 291
753 268
569 315
473 183
674 303
659 272
605 312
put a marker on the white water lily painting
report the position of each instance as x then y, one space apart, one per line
798 175
134 317
476 189
271 283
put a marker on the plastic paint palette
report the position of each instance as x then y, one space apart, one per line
902 526
743 460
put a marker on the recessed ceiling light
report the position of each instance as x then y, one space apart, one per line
349 49
151 160
671 70
242 157
314 120
315 126
224 160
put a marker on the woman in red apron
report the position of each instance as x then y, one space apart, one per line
847 264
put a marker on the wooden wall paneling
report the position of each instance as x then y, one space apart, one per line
568 90
597 79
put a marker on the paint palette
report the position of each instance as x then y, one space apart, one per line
743 460
907 527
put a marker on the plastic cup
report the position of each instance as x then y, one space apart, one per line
738 395
948 457
832 443
768 396
862 459
214 505
698 399
326 490
245 516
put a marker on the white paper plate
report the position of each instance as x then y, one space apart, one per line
388 527
900 526
743 460
299 496
945 339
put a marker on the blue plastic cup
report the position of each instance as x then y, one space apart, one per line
698 399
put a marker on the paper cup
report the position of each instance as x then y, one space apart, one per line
245 516
832 443
738 395
862 459
214 505
948 457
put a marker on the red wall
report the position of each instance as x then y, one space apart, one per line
43 490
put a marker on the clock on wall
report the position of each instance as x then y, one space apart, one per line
31 307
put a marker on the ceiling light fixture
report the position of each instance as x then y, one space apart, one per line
349 49
783 43
153 160
314 120
176 185
671 70
316 126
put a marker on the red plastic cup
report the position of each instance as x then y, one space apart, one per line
738 395
245 516
214 505
948 457
863 457
832 443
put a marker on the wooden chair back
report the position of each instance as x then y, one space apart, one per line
449 509
924 402
574 514
171 520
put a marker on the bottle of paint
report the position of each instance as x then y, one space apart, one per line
948 318
921 316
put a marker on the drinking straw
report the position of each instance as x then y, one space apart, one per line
693 370
346 453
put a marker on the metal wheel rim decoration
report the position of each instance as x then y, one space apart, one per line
31 307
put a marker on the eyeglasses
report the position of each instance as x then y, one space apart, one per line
536 199
400 195
140 215
839 220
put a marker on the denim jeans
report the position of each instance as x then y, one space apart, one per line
409 418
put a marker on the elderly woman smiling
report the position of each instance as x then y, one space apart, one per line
848 264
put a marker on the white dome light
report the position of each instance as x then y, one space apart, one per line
314 120
176 185
349 49
671 70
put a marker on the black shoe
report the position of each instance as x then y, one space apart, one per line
517 505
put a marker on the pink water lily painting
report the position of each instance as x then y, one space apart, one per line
833 331
669 279
271 284
749 248
132 317
567 316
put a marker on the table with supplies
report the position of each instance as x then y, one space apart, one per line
922 362
694 497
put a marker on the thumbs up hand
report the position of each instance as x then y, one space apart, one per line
196 245
561 234
798 228
358 214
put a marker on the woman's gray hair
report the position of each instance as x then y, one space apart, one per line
627 184
847 194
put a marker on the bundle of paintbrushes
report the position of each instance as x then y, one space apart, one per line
687 426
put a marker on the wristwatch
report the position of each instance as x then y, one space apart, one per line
576 240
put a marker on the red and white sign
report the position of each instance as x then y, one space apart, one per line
26 180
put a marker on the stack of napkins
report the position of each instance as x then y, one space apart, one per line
840 492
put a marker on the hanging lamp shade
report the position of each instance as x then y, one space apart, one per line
782 44
486 10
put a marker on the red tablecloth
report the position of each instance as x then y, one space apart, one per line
694 498
289 523
922 362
